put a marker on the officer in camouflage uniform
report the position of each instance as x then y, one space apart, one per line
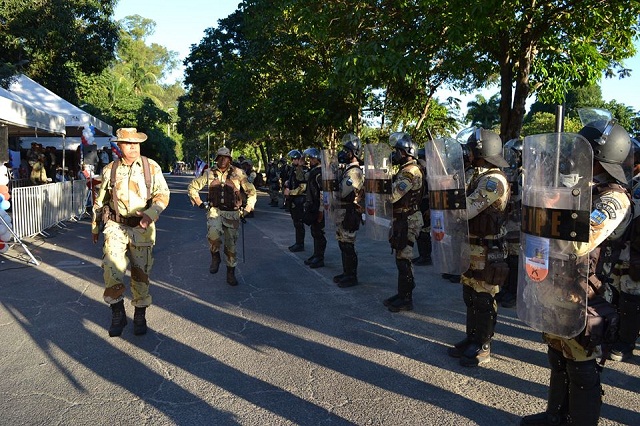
128 208
224 208
348 215
314 208
626 285
273 183
575 392
406 193
487 198
294 192
424 237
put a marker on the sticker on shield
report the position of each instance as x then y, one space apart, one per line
536 257
437 224
370 203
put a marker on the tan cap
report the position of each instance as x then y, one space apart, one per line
129 134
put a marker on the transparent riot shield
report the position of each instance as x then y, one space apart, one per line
330 190
447 201
514 177
377 187
554 242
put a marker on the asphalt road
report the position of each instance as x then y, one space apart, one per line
286 346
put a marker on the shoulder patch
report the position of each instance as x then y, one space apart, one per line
492 185
597 217
402 186
349 182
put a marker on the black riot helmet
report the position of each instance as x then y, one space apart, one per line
294 154
312 153
512 153
352 143
487 145
422 154
402 141
610 143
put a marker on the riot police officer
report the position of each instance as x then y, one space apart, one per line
627 287
424 237
406 193
487 198
350 185
294 193
575 391
313 208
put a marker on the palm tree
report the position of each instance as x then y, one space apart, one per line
484 113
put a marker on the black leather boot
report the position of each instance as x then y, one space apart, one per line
337 278
424 250
351 269
215 262
118 319
484 320
585 392
406 284
231 276
139 321
629 309
458 348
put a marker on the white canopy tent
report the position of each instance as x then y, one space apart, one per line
25 119
44 99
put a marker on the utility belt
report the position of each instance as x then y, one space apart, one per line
131 221
406 211
489 242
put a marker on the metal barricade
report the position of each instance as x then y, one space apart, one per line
37 208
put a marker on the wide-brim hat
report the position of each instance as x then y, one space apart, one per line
224 151
129 134
615 170
496 160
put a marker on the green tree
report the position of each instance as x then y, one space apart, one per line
484 112
56 42
546 48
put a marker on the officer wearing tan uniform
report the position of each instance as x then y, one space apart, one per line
132 195
575 392
348 213
224 208
487 198
406 193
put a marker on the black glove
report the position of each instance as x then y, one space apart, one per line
204 205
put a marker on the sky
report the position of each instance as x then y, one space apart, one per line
179 24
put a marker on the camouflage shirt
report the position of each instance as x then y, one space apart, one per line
131 192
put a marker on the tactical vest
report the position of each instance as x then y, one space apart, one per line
224 195
312 201
410 202
490 220
608 252
294 180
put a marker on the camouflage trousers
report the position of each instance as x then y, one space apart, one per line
124 244
415 223
570 348
621 280
478 258
223 228
342 235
